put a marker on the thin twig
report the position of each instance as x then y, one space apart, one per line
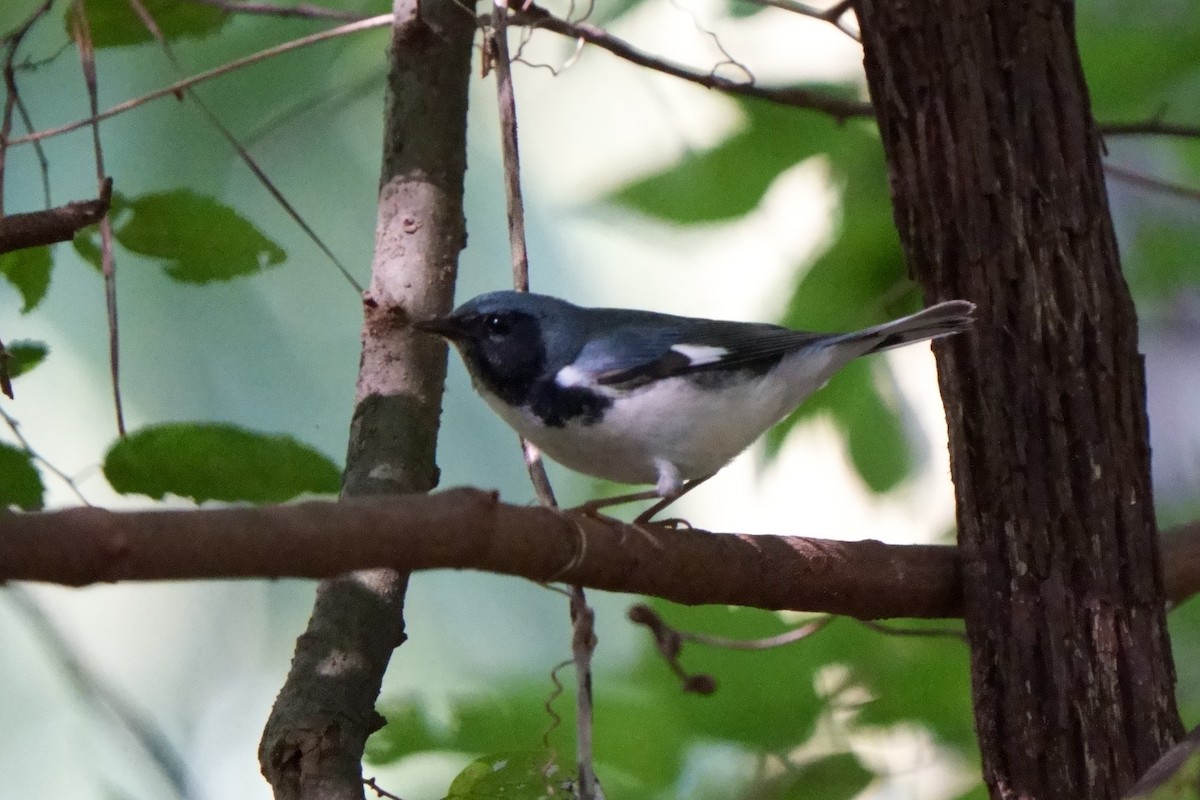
38 150
836 107
765 643
583 645
1141 180
716 40
302 11
244 154
5 379
672 639
370 782
174 89
670 643
1150 127
833 15
12 97
923 633
15 427
583 637
506 99
82 34
94 689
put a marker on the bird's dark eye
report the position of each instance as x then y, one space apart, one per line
497 325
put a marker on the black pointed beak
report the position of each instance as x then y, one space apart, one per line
446 327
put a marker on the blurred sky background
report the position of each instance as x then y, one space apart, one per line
278 352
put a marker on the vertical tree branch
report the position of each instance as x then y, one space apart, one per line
313 743
999 198
583 636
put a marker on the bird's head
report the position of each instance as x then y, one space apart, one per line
507 339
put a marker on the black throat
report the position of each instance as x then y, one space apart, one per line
514 370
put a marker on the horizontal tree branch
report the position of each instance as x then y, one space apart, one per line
58 224
471 529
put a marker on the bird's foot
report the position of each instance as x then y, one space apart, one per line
592 507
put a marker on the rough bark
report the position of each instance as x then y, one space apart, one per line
313 743
999 198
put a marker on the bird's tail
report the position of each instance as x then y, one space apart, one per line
943 319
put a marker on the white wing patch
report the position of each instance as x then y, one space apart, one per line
571 376
700 354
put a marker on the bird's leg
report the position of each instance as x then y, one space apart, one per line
649 513
669 485
669 488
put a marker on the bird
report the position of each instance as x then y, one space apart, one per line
640 397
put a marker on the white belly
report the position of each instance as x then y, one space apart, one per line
698 430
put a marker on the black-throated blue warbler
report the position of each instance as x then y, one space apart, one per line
645 398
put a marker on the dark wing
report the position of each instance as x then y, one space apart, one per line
640 349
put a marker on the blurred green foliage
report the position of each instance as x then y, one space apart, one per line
769 703
114 23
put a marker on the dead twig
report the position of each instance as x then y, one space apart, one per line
38 228
583 637
798 97
921 633
833 15
301 11
1150 127
382 20
5 378
370 782
81 33
1143 181
244 154
19 435
12 97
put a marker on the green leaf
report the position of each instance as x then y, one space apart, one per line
24 355
407 731
87 246
520 775
20 482
730 179
1164 259
29 271
200 239
211 461
114 23
836 777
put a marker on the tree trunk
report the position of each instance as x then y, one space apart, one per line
313 743
999 198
